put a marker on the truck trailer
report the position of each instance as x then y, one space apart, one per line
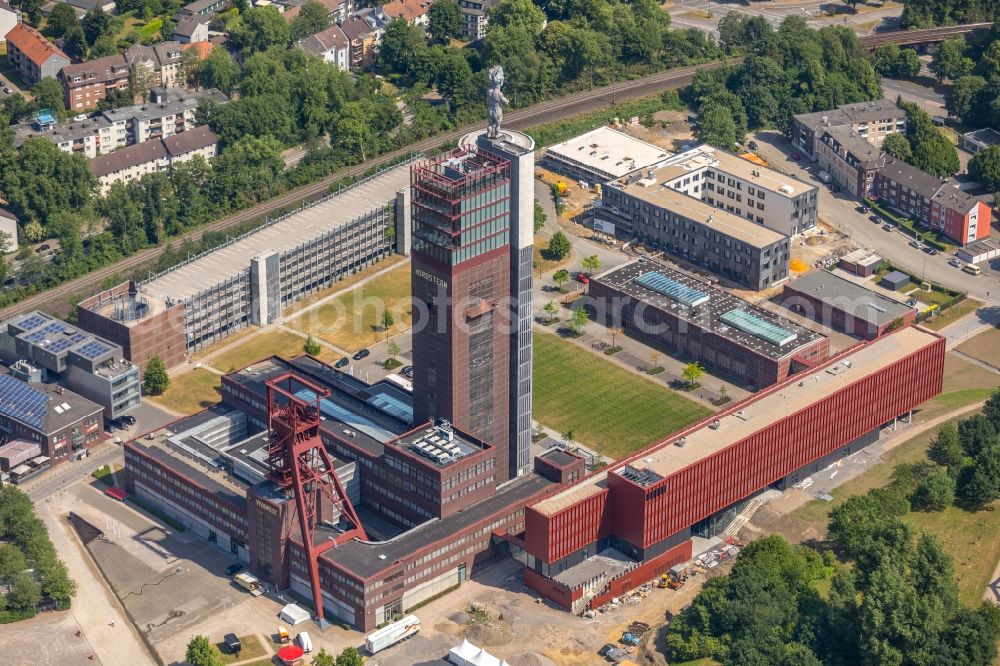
393 633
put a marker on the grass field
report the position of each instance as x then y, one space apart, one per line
280 343
984 347
191 392
543 265
608 408
953 314
353 320
251 647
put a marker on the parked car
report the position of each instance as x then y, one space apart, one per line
955 262
795 156
8 90
361 354
234 569
862 209
233 644
407 371
752 145
931 251
582 279
43 248
342 363
888 227
917 244
875 218
613 653
129 419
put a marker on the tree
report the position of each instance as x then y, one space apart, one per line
155 380
976 487
48 95
24 593
692 373
445 20
386 321
935 492
591 264
950 61
74 41
349 657
312 347
614 332
218 70
551 309
12 562
578 321
898 146
323 658
313 17
559 246
393 349
540 216
32 9
200 652
560 277
991 410
260 28
945 449
985 168
96 23
61 19
962 98
717 127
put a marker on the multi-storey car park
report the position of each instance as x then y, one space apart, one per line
253 278
696 320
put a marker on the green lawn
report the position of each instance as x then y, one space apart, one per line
952 314
251 647
608 408
258 347
191 392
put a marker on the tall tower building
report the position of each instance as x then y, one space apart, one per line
461 256
519 150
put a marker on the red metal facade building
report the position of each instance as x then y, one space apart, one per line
645 516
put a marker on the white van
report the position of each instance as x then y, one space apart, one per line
305 642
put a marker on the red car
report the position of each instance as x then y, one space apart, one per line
583 279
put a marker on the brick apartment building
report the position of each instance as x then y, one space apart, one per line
87 83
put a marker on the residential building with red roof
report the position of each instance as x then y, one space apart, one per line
33 56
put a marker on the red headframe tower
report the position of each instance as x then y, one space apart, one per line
301 467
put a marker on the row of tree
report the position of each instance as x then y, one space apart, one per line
28 563
930 13
923 145
788 71
970 454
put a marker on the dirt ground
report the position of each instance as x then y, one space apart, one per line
671 131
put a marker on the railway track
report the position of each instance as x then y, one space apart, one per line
58 299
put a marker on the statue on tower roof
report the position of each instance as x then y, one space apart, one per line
494 102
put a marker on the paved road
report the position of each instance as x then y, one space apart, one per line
685 13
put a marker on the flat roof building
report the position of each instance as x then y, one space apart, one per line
746 189
845 305
861 262
603 154
979 139
698 321
654 213
250 280
41 348
648 505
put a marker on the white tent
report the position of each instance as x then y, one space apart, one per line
293 614
468 654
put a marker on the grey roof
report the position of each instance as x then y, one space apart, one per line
9 215
559 457
168 52
60 132
191 279
178 101
986 135
45 408
128 157
318 44
364 559
7 7
192 139
706 315
848 114
911 177
109 68
355 28
850 297
186 26
955 199
863 151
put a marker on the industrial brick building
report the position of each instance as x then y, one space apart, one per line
253 278
845 305
642 511
695 231
695 320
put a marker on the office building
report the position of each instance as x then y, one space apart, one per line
461 275
518 149
741 187
655 214
251 279
41 348
621 527
695 320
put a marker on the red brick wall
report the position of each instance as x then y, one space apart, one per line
646 572
555 592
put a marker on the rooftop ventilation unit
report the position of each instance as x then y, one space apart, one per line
715 424
682 442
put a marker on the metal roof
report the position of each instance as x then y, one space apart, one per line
661 284
758 327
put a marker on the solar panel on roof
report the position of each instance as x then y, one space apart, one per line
23 402
758 327
92 350
672 289
32 322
